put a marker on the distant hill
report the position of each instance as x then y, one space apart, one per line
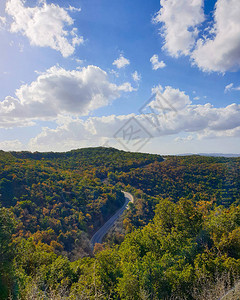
212 154
220 154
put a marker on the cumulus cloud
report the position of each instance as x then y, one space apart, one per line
222 51
218 49
192 118
204 121
170 99
58 91
180 19
45 25
156 64
121 62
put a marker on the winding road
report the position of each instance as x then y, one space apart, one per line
98 236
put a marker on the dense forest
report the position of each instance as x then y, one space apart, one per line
180 239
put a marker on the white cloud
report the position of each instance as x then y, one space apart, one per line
11 145
121 62
169 99
173 112
219 47
76 40
196 98
74 133
180 19
230 87
58 91
222 51
156 64
65 137
211 134
44 25
136 76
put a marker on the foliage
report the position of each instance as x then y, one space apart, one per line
179 239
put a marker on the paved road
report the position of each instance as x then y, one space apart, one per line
233 294
98 236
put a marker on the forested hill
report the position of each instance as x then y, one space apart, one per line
59 198
182 228
106 158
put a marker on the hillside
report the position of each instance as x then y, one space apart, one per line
59 198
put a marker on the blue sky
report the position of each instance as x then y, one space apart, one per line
74 73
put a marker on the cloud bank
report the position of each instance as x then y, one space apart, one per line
178 115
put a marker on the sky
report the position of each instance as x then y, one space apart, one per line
151 76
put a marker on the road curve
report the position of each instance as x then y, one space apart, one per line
98 236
